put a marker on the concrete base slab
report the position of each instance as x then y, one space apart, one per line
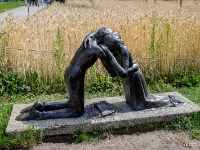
125 116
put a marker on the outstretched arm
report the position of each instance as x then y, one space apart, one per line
115 65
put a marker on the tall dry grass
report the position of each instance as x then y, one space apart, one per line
161 36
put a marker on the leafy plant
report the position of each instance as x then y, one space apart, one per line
11 84
190 123
102 83
184 79
38 87
24 140
153 36
32 79
188 80
80 136
59 56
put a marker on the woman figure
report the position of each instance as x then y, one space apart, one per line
135 87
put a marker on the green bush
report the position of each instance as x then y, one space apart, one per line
183 79
104 84
11 83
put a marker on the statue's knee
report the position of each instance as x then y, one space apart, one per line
80 112
69 77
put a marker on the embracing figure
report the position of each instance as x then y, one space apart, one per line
116 58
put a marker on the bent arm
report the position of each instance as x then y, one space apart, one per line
99 53
133 66
115 65
124 57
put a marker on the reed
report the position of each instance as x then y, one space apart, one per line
163 40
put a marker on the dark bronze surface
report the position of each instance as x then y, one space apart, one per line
116 58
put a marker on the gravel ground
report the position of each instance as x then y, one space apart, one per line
156 140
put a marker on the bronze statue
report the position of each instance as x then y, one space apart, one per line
116 58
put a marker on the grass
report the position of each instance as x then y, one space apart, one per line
23 140
189 124
5 6
162 40
191 93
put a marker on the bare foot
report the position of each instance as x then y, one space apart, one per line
31 115
35 106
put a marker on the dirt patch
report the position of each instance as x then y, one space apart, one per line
155 140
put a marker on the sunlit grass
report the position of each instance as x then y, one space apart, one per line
162 37
163 40
5 6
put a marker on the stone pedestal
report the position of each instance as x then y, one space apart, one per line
124 116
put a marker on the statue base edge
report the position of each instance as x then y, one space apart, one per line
123 117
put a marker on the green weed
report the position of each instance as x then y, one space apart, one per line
153 36
4 117
192 93
102 83
98 129
186 80
11 84
190 123
59 56
137 133
23 140
80 136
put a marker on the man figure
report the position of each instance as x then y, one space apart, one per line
100 44
85 57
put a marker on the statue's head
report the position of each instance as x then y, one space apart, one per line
101 33
113 41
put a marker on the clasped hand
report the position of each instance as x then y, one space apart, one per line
110 56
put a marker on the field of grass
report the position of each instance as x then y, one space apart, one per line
163 40
162 37
5 6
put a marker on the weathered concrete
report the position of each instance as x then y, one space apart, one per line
123 117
